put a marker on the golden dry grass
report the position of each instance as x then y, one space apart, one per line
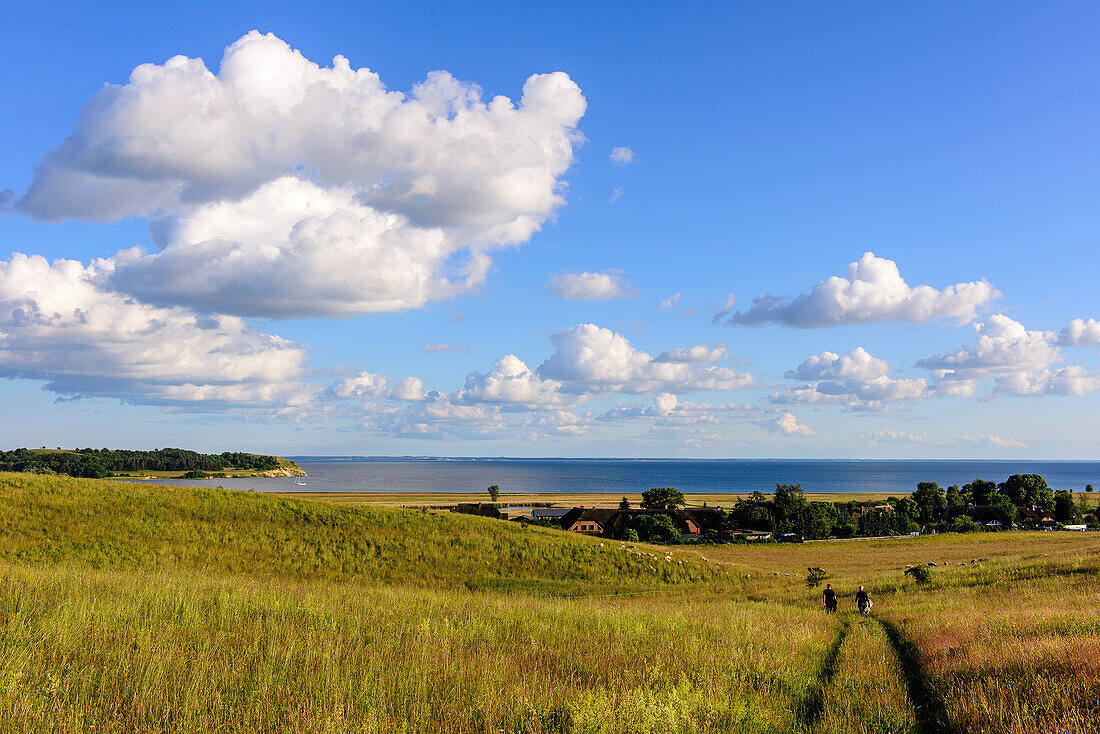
129 608
1013 656
114 651
867 692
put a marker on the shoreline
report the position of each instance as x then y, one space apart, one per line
549 499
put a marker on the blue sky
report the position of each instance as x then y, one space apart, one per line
325 267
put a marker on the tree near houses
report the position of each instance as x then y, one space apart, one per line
1005 503
930 501
1027 489
788 502
979 491
1065 509
656 527
954 497
624 504
907 515
659 498
494 493
791 513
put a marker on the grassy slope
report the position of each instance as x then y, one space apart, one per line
118 524
215 610
119 651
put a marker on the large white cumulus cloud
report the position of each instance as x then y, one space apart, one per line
856 364
591 359
511 383
356 178
56 325
293 248
874 291
1020 362
856 380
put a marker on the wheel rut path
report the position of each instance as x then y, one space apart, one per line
813 704
871 681
927 704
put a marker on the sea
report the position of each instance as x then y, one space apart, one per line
440 475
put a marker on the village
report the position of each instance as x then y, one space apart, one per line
790 516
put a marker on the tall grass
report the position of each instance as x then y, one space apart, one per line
867 692
127 607
85 650
125 525
1015 654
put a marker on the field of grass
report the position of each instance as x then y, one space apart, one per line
137 608
123 525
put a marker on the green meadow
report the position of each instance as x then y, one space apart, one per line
135 608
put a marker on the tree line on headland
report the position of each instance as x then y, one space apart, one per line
100 463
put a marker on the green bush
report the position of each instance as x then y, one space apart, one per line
921 574
963 524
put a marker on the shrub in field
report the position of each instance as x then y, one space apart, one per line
815 575
921 574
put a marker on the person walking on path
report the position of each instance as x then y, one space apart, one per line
828 598
863 601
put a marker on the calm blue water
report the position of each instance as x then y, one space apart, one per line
355 474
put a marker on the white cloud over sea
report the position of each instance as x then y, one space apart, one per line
58 326
874 291
278 187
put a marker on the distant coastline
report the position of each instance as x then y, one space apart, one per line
167 463
415 457
416 475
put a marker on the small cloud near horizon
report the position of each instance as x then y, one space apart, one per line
442 347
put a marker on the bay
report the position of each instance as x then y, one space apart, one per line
439 475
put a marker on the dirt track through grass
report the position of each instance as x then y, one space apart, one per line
862 686
927 704
814 702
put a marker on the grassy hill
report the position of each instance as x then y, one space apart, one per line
127 607
118 524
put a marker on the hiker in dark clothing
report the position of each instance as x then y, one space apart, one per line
863 601
828 598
